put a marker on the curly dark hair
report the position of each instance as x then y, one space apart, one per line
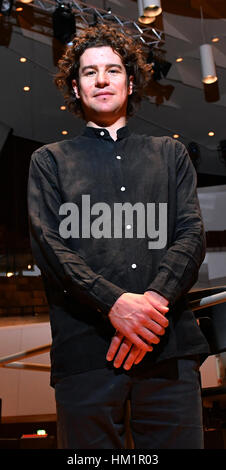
132 54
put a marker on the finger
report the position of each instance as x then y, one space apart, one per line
137 341
140 357
158 317
154 327
133 355
122 353
157 305
148 335
115 344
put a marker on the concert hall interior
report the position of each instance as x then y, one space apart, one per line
185 41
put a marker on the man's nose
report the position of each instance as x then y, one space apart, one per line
102 79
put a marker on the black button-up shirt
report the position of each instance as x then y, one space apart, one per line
75 187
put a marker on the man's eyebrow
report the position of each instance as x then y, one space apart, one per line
92 66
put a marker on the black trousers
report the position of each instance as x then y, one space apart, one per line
165 408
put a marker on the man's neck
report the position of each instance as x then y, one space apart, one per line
112 128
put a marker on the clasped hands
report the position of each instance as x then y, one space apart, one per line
139 320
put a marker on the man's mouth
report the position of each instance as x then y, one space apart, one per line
104 94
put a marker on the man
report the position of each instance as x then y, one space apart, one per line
116 286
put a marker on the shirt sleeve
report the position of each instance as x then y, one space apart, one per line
179 267
59 264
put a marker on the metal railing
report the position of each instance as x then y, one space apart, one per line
9 361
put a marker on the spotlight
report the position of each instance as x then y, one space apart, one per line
6 6
94 20
194 153
141 16
63 23
109 16
160 67
222 151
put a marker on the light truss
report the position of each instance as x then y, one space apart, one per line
84 13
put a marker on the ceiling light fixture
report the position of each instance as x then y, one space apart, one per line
176 136
207 60
207 63
152 7
215 39
179 59
63 108
26 88
23 59
211 133
142 18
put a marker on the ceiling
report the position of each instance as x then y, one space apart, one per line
177 104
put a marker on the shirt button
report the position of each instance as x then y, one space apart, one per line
123 188
133 266
102 133
119 157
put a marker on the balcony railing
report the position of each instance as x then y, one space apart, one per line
13 361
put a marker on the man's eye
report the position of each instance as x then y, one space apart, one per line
91 71
113 70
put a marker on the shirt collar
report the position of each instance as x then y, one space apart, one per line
103 133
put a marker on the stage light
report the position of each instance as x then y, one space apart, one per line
94 20
6 7
160 67
5 32
64 27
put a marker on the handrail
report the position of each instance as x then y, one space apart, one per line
9 361
23 354
209 301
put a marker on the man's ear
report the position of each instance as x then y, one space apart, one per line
130 86
75 88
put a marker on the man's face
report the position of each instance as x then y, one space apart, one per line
103 87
